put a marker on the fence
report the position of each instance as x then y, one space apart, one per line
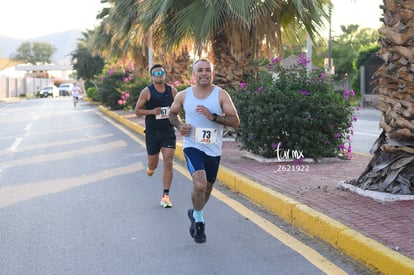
22 86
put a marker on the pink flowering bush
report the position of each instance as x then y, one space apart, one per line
123 101
289 109
119 88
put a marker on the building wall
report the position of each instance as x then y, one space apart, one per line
18 86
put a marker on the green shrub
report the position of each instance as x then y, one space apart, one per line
89 84
92 93
286 113
119 88
134 88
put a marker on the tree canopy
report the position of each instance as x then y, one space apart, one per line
35 53
346 46
86 64
228 31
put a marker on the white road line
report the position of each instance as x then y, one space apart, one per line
27 128
15 144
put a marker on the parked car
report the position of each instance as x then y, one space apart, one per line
50 90
65 89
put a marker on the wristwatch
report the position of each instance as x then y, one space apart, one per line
215 116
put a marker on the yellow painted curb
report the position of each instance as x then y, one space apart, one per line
134 126
320 225
179 151
312 222
275 202
374 254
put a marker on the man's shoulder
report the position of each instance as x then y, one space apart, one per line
146 89
221 90
181 94
169 87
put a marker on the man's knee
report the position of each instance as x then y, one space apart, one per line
199 181
209 187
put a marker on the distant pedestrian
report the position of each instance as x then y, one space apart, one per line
154 103
207 108
75 95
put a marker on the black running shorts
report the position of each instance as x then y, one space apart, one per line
155 139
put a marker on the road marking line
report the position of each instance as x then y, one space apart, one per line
314 257
13 194
15 144
124 130
102 147
307 252
27 128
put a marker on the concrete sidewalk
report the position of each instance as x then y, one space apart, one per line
377 234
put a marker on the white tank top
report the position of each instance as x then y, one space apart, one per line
205 135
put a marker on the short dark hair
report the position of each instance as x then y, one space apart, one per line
204 60
156 66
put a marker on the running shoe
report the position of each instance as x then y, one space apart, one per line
165 201
199 235
150 172
192 226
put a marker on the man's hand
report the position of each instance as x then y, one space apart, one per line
185 129
156 111
204 111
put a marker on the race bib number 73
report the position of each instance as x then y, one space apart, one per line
205 135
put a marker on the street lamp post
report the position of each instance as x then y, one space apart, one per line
150 50
309 53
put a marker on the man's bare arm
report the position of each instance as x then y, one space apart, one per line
230 118
175 108
140 106
174 118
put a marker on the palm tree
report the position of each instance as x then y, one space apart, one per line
391 168
86 64
118 37
232 32
121 37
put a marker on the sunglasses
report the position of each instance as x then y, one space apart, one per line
158 73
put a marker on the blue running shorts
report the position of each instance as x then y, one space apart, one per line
198 160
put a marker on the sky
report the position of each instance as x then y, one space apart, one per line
365 13
26 19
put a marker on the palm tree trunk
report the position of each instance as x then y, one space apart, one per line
176 64
231 67
392 167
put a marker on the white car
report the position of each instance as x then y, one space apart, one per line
50 90
65 89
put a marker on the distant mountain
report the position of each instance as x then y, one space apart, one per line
65 42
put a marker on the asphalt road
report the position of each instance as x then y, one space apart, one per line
366 129
75 199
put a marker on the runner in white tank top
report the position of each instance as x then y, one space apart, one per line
206 135
208 108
